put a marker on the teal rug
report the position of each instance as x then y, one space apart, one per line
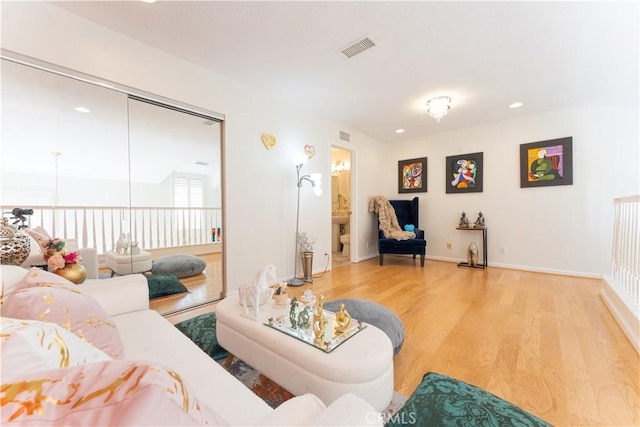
444 401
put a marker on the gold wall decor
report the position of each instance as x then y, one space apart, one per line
269 141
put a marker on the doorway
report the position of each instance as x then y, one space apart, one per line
341 218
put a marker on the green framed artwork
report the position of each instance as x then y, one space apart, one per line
546 163
412 175
464 173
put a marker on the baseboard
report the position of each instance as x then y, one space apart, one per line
628 322
525 268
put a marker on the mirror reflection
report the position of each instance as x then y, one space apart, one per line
125 181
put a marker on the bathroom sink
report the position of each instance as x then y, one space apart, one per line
340 219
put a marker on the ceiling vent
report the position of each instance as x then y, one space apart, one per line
357 47
344 136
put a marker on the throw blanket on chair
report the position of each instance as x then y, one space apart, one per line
388 219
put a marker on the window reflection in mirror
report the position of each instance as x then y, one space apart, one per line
94 165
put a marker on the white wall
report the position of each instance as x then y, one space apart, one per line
562 228
565 229
259 184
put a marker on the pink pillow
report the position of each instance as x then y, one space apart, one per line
31 346
113 393
65 305
38 277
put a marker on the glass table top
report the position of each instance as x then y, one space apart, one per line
327 343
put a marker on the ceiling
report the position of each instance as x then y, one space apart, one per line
485 55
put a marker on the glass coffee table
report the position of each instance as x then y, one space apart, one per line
331 339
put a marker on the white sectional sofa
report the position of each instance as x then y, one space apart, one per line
147 336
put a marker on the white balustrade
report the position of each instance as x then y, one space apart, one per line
152 227
620 292
625 260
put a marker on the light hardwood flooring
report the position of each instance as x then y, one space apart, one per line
546 343
202 288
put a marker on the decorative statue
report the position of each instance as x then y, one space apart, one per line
343 319
122 245
480 221
304 318
292 313
319 321
464 221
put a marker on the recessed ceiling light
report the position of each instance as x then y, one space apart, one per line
82 110
149 1
399 130
516 105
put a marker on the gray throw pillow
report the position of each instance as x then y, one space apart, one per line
374 314
179 265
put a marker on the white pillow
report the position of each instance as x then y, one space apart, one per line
30 346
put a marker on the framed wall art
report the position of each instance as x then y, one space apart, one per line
464 173
412 175
546 163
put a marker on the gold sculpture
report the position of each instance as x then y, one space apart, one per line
343 319
319 321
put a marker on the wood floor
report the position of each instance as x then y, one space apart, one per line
202 288
546 343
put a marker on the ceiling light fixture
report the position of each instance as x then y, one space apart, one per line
438 107
82 109
516 105
399 130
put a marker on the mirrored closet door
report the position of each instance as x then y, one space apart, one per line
102 166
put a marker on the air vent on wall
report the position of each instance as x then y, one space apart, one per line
344 136
357 47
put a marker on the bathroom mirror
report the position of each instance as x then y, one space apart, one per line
96 162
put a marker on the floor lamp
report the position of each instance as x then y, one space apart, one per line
316 182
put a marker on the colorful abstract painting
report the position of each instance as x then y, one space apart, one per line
464 173
546 163
412 175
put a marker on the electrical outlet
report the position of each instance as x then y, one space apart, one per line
448 245
501 251
368 243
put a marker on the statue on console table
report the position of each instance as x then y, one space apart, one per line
464 221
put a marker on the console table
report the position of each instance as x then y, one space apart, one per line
485 260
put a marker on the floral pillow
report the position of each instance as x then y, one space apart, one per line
31 346
50 298
111 393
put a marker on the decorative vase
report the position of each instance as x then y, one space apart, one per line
15 246
472 254
307 266
75 273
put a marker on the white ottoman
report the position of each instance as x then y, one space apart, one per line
363 365
128 264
